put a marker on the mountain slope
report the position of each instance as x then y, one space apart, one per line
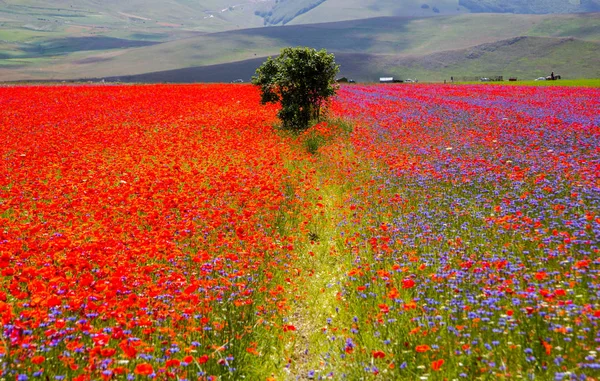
342 10
285 11
531 6
339 10
397 37
147 16
162 16
522 57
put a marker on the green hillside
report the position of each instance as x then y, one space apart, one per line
108 17
525 58
163 19
531 6
153 19
521 57
319 11
412 41
285 11
29 24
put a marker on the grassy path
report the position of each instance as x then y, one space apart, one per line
322 258
314 301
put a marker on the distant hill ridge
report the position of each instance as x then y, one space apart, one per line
219 15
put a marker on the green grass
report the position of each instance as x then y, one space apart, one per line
22 35
319 248
584 26
592 82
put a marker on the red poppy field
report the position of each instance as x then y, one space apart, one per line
422 232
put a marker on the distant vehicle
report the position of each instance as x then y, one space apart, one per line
541 79
239 80
484 79
408 80
390 80
351 81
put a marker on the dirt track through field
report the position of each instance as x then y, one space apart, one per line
323 259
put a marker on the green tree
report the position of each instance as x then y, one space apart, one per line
301 80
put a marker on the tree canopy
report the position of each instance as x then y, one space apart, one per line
300 79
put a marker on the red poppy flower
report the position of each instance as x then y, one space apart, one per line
289 327
437 364
422 348
202 359
108 352
38 359
408 283
143 369
378 354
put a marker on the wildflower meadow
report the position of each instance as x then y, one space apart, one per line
419 232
